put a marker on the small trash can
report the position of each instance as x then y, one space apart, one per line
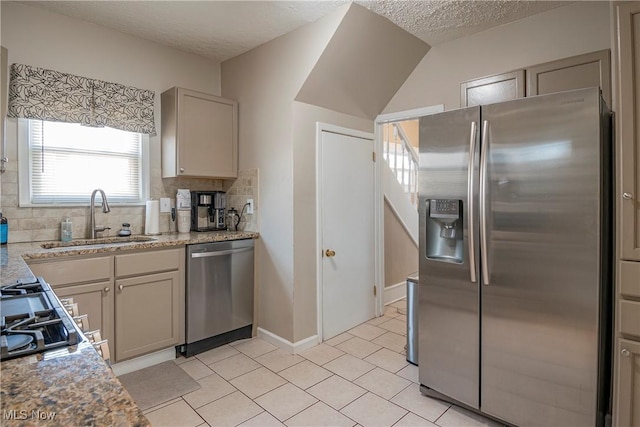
412 318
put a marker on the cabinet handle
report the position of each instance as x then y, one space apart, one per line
120 287
107 289
181 170
627 196
625 352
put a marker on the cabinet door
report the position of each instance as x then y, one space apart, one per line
207 135
96 301
487 90
147 313
628 118
628 391
577 72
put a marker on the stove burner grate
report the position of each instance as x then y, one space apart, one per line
33 320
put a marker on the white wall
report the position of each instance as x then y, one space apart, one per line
578 28
44 39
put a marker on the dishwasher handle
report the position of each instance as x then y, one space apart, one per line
220 253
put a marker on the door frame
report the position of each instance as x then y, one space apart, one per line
326 127
378 198
379 189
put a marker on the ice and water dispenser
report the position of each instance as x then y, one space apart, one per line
444 230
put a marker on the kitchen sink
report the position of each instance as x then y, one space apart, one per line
100 241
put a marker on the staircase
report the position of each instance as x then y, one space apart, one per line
400 186
400 178
402 159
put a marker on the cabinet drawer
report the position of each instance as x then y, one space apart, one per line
630 278
68 272
630 318
148 262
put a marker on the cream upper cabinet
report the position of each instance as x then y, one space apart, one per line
199 135
577 72
628 118
487 90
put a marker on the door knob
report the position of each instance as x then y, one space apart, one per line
627 196
329 253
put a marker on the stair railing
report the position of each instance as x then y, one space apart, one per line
402 158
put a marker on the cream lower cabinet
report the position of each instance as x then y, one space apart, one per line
147 313
96 301
136 299
627 364
149 301
89 281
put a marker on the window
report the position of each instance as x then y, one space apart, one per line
62 163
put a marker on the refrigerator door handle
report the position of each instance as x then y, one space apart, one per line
484 254
470 203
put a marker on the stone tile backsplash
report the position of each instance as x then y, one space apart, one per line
243 188
40 224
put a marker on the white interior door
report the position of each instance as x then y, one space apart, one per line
347 231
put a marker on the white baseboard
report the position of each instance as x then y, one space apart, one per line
287 345
395 292
145 361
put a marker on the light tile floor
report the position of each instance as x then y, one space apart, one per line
359 378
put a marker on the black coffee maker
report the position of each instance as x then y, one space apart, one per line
208 210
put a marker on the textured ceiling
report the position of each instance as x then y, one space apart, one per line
223 29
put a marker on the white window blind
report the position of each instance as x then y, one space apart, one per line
68 161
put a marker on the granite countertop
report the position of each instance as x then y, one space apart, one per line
12 256
73 385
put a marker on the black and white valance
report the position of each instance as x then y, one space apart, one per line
38 93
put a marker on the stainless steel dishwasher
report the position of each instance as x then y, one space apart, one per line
219 294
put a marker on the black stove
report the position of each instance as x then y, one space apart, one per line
32 320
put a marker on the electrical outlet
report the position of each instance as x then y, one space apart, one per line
165 205
250 207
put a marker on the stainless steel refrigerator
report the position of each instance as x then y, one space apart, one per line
515 259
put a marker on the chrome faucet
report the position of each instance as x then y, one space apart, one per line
92 213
